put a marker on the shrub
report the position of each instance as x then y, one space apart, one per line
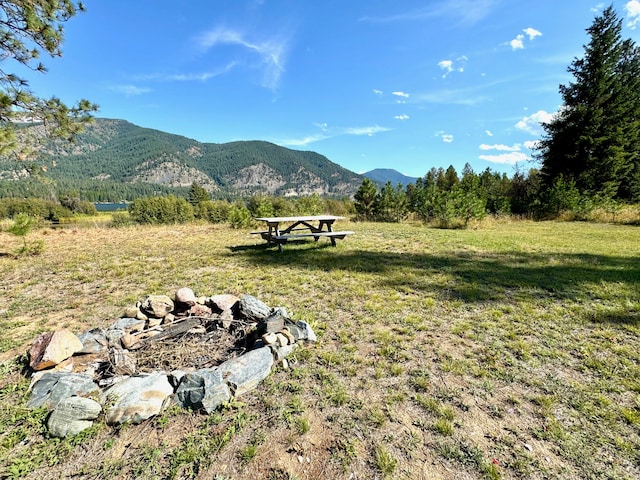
161 210
216 211
240 216
121 219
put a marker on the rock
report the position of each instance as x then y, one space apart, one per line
289 335
279 353
122 362
223 302
203 389
198 310
141 316
114 335
132 311
64 366
202 300
185 296
129 325
93 341
274 322
157 306
245 372
51 348
154 322
72 416
136 398
53 387
269 338
168 318
281 340
253 309
307 332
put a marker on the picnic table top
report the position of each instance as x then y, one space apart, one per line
301 218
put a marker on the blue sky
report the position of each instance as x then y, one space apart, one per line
407 85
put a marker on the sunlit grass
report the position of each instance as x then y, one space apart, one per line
438 350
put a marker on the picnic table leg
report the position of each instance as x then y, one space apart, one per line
329 224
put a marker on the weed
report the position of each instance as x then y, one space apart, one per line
385 461
443 427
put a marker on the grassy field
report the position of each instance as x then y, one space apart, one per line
507 351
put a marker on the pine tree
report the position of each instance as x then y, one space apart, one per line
28 29
197 194
365 199
593 140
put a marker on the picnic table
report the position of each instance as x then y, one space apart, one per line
315 226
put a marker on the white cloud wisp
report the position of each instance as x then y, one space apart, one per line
271 52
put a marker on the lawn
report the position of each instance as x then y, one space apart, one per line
510 350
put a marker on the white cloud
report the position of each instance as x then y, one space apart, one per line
531 124
518 42
377 92
271 51
331 133
446 65
402 117
532 33
446 137
489 133
510 158
598 8
300 142
504 148
532 144
129 90
632 8
400 94
369 131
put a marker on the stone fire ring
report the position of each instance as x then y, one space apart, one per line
78 377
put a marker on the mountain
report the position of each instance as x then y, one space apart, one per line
119 157
384 175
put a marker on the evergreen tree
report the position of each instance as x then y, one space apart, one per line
28 29
365 199
391 204
197 194
594 139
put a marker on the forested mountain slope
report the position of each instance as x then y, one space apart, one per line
115 155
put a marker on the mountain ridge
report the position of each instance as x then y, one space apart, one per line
384 175
117 152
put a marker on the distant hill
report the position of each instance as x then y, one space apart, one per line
384 175
120 160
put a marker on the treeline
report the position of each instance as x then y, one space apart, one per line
95 191
447 200
239 214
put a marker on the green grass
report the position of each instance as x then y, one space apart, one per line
507 351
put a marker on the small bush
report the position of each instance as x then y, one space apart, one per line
121 219
161 210
216 211
240 216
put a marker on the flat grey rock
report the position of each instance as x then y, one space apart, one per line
72 416
204 389
135 399
53 387
245 372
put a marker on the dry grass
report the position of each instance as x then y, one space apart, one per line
508 351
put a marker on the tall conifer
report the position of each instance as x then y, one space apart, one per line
593 140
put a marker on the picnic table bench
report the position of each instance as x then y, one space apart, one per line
315 226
